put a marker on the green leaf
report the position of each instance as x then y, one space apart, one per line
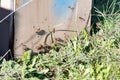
26 56
44 71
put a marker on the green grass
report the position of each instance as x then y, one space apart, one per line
85 57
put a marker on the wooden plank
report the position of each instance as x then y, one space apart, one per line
36 20
6 27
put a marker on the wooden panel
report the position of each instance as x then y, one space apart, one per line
35 21
6 27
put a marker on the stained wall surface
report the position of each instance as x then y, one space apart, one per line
35 21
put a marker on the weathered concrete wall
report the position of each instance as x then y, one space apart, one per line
36 20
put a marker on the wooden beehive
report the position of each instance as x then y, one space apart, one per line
35 21
6 28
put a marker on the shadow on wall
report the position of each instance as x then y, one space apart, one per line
4 33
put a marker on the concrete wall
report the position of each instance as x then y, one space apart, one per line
35 21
